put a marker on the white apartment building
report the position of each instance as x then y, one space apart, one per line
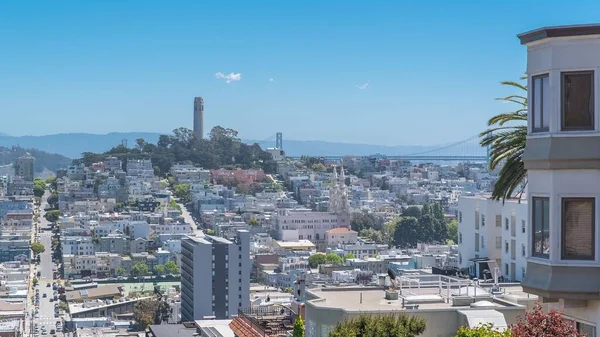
490 229
304 224
140 168
563 161
77 245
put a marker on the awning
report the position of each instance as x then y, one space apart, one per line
475 318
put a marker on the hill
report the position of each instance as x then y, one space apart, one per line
44 161
72 145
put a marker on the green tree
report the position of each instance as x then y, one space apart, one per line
39 187
171 267
37 248
183 192
483 330
253 222
159 269
150 311
35 281
121 271
372 235
452 229
139 269
53 200
349 256
413 211
380 326
334 259
407 233
505 138
317 259
52 216
365 220
298 327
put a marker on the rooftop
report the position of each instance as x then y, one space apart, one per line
340 230
559 31
295 244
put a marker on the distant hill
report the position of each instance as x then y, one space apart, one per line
44 161
72 145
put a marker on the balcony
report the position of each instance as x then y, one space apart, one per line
276 321
562 282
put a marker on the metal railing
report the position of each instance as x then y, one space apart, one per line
276 320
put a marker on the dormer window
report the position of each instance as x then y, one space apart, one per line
541 103
577 101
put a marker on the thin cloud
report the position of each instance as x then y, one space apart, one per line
363 86
231 77
272 80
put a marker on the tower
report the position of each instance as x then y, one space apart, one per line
279 140
199 117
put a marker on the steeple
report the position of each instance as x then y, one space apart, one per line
335 176
342 175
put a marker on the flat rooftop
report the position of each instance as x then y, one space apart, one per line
559 31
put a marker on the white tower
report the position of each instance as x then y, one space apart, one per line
199 117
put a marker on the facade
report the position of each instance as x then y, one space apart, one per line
25 167
215 276
199 117
563 162
490 229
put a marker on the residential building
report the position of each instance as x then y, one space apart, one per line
25 167
340 236
492 230
563 167
224 290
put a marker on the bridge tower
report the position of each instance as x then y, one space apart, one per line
279 140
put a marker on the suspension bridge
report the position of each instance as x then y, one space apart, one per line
466 150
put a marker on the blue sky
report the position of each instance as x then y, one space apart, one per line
432 67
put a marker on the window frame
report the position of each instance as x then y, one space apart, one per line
563 256
533 128
535 254
563 74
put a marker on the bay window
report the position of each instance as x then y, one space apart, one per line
577 101
541 103
578 229
541 227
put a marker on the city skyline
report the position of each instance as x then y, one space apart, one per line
370 74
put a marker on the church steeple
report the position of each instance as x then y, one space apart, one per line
342 175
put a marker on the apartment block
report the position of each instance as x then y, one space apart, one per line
562 156
215 276
496 231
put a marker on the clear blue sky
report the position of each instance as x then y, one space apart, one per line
432 67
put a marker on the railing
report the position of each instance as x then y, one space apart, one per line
272 321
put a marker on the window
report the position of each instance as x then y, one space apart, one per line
476 220
483 220
459 237
523 271
498 242
506 271
498 220
506 246
541 227
460 217
506 223
577 93
578 230
522 250
541 102
585 329
523 226
482 242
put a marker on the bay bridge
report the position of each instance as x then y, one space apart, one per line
466 150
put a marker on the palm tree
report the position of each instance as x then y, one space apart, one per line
505 137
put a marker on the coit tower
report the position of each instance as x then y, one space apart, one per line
199 117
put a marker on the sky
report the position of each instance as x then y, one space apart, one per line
372 72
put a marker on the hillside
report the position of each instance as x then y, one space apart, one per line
44 161
73 145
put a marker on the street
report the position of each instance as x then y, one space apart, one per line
42 320
187 217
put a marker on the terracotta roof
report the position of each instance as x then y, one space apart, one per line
340 230
242 329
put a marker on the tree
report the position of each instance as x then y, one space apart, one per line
505 138
183 192
52 216
407 232
482 330
35 281
537 323
121 271
253 222
349 256
53 200
298 327
452 229
365 220
139 269
372 235
150 311
316 259
334 259
380 326
159 269
412 211
171 267
39 187
37 248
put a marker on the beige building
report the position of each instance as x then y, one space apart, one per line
25 167
445 303
340 236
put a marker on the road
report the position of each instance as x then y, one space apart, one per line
43 320
187 217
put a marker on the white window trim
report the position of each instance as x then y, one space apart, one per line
575 263
576 133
